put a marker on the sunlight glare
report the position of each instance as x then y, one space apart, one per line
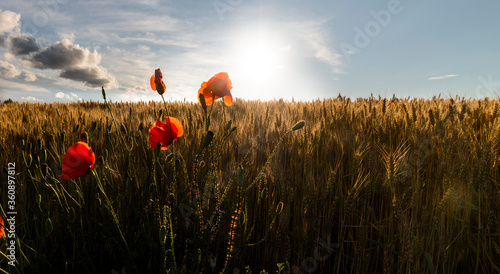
259 62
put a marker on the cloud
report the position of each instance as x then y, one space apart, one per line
9 22
31 98
138 90
23 44
8 70
24 87
61 95
75 62
314 34
91 76
442 77
71 96
64 55
29 77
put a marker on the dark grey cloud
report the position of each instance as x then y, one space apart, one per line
23 44
92 76
75 63
64 55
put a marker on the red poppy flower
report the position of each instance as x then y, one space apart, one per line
165 133
1 227
218 86
157 82
78 161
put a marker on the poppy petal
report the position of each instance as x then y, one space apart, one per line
165 134
228 100
177 125
78 161
1 227
217 87
152 82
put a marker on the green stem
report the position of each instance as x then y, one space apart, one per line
115 218
267 162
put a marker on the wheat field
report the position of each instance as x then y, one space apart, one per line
366 186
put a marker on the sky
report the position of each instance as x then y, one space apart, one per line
65 50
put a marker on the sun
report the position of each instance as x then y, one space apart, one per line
257 55
259 61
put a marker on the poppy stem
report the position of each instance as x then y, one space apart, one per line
267 162
168 121
115 217
116 124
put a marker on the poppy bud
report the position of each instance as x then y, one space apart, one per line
279 208
93 126
240 175
123 129
83 137
232 129
44 168
171 197
48 226
228 125
202 102
36 159
63 137
258 139
263 194
103 93
29 160
157 82
43 155
207 140
38 199
299 125
177 165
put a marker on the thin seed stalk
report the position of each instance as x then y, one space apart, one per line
115 218
267 162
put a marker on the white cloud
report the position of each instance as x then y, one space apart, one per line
8 70
71 96
316 36
61 95
29 77
9 22
442 77
31 98
139 90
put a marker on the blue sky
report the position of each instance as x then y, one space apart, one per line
64 50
